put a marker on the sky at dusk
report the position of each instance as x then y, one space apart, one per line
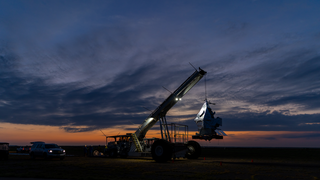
69 69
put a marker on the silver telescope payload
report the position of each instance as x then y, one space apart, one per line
208 125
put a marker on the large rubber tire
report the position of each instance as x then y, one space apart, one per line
194 150
45 156
161 151
113 153
124 153
32 156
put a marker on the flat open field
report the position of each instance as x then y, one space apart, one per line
215 163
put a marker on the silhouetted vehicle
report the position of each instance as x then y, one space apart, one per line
172 144
23 149
46 151
4 151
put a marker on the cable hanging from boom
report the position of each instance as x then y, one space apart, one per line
205 86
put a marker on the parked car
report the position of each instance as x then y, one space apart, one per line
4 151
23 149
46 151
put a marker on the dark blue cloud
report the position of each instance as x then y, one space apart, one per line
33 101
304 136
271 121
97 65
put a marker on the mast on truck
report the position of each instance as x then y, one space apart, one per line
161 149
166 105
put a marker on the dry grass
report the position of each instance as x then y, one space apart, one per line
228 165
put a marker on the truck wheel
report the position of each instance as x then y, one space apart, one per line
6 157
45 156
32 156
194 150
124 153
113 153
161 151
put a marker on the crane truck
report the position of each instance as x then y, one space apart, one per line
174 137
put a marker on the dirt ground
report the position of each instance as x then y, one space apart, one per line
145 168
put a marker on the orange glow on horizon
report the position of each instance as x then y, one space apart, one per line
17 134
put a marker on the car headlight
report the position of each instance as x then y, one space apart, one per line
50 151
64 151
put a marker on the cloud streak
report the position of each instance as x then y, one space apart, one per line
86 70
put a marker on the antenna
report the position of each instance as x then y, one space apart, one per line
146 109
131 122
167 89
103 133
193 66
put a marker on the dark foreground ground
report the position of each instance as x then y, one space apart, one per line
215 163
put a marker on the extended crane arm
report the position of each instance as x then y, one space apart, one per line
166 105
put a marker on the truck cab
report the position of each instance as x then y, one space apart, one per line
117 145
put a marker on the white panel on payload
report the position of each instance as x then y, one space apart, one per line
207 124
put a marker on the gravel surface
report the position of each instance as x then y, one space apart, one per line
146 168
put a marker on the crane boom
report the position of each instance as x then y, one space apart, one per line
167 104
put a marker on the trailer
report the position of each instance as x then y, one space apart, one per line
174 141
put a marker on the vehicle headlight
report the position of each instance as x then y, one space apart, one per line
64 151
50 151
